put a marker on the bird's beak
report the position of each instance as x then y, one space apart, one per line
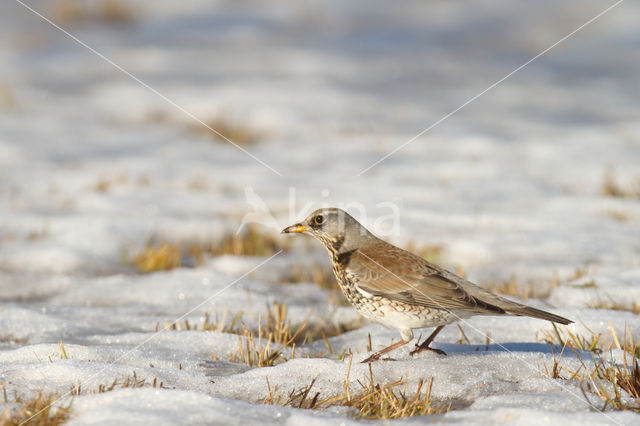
298 227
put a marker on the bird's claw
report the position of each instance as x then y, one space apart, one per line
376 357
420 349
372 358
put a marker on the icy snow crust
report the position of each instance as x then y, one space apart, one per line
92 165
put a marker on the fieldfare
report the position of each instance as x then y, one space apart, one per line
400 289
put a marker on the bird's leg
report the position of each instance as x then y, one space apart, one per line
424 346
376 356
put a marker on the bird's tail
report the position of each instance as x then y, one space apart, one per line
539 313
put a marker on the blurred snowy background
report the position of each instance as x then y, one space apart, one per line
109 174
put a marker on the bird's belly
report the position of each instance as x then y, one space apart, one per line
401 315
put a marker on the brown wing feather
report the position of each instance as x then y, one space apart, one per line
405 277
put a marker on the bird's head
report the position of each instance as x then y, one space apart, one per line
335 228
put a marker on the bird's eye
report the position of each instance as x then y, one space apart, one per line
318 220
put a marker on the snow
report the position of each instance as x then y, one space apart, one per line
93 164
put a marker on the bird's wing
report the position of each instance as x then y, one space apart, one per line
385 270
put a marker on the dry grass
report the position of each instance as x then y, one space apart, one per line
539 290
68 12
107 183
587 284
257 353
36 411
580 272
619 215
161 255
103 184
372 401
251 242
554 372
633 307
511 288
198 183
266 346
43 410
565 337
240 133
319 274
218 325
8 101
275 339
597 343
126 381
523 291
43 232
617 386
611 187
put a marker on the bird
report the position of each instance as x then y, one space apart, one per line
399 289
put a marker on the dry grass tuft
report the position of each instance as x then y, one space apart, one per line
372 401
240 133
45 409
105 184
555 371
127 381
633 307
539 290
616 385
251 242
160 256
225 128
619 215
8 101
217 325
256 353
265 347
511 288
587 284
36 411
108 11
611 187
321 275
580 272
274 341
523 291
115 11
596 343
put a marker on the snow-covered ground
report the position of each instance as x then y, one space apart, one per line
95 161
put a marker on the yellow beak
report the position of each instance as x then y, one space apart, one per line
294 228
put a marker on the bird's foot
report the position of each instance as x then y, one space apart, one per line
376 357
419 349
372 358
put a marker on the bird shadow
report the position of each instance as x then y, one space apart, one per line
509 347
